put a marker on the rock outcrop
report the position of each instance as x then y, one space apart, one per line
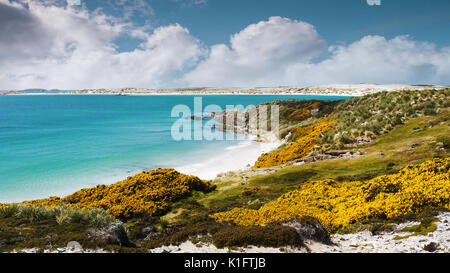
310 228
114 234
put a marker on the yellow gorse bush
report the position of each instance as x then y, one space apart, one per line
302 145
147 193
304 113
337 204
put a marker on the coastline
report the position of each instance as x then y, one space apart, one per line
354 90
239 157
418 232
189 94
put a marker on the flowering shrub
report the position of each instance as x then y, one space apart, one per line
48 202
338 204
146 193
304 113
307 137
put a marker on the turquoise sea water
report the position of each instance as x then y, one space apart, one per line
56 144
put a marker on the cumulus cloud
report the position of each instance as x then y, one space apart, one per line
48 44
61 47
376 59
259 54
20 36
281 51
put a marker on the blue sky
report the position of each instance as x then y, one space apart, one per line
222 43
213 21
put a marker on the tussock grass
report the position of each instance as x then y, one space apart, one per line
62 215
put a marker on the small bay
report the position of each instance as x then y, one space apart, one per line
56 144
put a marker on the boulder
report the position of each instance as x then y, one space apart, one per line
431 247
146 230
74 247
114 234
310 228
165 249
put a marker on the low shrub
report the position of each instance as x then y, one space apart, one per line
336 204
266 236
7 211
147 193
248 191
306 138
224 235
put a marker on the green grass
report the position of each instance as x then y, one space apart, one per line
62 215
388 154
23 226
189 216
16 233
421 229
380 112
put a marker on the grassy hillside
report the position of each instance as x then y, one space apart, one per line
390 130
387 154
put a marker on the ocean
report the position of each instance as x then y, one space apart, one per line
53 145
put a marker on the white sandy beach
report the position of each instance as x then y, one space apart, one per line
238 157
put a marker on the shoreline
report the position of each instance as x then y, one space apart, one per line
188 94
238 157
352 90
423 230
234 158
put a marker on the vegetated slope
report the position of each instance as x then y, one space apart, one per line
352 122
291 113
147 193
360 119
338 204
306 138
418 137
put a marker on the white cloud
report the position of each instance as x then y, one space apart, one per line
375 59
130 8
281 52
190 3
48 45
259 54
61 47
